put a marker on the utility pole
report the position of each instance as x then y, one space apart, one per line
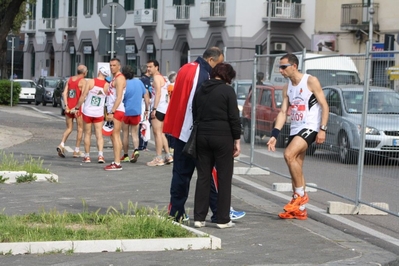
12 68
269 29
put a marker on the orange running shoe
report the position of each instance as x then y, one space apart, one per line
296 201
298 214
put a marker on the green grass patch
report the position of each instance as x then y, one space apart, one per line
29 164
134 223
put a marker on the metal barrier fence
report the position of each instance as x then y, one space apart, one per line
360 158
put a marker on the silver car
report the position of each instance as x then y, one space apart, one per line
344 123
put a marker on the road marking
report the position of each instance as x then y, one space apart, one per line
340 219
274 154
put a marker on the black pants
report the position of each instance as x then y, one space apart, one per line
213 150
183 169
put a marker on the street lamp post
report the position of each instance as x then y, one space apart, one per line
12 68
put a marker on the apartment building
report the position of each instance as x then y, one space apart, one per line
344 25
63 33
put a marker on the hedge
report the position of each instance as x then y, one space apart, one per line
5 92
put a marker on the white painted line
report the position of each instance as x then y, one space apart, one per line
340 219
285 187
250 171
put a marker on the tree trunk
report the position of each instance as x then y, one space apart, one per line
8 12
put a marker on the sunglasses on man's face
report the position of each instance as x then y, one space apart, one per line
284 66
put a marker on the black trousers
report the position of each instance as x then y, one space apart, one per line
213 150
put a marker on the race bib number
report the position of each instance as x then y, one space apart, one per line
95 101
71 94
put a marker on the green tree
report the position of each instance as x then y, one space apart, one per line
12 14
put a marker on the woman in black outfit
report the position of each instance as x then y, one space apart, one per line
218 141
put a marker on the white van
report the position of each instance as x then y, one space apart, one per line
329 70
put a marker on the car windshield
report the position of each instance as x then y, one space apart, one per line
278 95
26 84
52 83
334 77
380 102
242 91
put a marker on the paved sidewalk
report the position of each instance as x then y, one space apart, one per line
260 238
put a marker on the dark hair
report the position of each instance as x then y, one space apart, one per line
292 59
155 62
224 71
115 59
128 72
260 76
213 52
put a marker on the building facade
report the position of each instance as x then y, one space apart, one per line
60 34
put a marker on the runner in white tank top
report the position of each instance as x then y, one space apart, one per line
111 97
305 110
309 117
95 100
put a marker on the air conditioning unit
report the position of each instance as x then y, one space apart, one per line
279 46
143 16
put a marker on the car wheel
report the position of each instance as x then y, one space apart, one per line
346 154
247 132
62 111
29 102
44 102
54 102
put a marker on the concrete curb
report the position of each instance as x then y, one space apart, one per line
202 241
12 176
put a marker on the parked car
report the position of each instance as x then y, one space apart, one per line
242 88
45 89
28 90
57 95
268 103
345 122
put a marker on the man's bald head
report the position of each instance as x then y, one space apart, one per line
82 69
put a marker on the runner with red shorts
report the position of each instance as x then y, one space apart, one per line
71 95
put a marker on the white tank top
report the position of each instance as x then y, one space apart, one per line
164 100
95 100
111 97
305 110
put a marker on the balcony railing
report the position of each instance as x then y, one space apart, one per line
284 12
356 16
47 25
29 27
213 12
68 24
178 15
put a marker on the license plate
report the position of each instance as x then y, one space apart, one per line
395 142
30 97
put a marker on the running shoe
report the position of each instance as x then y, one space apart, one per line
113 167
77 154
156 162
169 159
198 224
235 215
298 214
227 225
296 201
125 158
101 159
86 159
135 156
61 151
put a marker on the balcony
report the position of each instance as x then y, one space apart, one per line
292 13
47 25
29 27
356 17
68 24
146 18
178 15
214 13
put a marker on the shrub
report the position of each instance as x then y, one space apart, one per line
5 92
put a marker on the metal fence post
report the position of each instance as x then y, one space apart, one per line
253 111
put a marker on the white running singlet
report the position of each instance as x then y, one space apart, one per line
305 110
